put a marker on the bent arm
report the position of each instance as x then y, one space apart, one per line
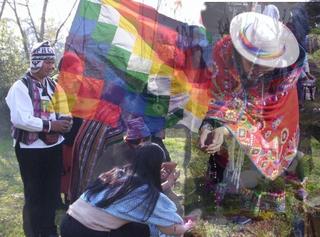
21 109
177 229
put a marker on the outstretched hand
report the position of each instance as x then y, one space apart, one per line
189 225
173 176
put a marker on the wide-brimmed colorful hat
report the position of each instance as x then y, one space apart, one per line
137 129
263 40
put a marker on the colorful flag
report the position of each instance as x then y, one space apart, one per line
123 57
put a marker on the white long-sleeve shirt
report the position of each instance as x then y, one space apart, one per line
21 113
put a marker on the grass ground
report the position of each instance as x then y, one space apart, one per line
192 163
216 221
11 192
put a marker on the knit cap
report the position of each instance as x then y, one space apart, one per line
40 52
137 129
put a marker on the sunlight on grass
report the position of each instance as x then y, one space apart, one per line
11 192
193 164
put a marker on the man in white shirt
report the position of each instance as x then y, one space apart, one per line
39 115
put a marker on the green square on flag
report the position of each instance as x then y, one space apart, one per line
89 10
174 117
119 57
137 81
157 105
104 32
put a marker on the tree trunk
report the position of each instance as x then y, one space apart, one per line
43 20
2 8
62 24
25 40
33 26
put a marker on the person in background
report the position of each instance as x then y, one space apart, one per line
307 82
138 134
299 25
272 11
39 115
120 153
122 198
158 139
99 148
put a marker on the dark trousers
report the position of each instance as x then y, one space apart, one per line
70 227
300 90
40 172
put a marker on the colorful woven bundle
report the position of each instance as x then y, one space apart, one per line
254 201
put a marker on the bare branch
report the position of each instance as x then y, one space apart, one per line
2 8
33 26
62 24
43 20
17 3
25 41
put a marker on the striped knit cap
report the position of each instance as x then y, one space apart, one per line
39 53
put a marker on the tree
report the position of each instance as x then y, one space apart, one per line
217 16
25 40
2 7
12 60
313 9
32 31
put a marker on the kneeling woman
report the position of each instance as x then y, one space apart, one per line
126 201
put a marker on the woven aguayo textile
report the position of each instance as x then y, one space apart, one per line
127 57
92 137
263 117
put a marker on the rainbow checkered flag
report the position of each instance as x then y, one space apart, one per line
124 57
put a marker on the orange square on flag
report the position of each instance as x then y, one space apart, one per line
85 108
108 113
91 88
70 82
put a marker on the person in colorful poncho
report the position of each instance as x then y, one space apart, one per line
254 94
126 201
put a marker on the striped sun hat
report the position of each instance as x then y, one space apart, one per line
263 40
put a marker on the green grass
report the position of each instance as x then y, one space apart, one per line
215 222
11 192
192 163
